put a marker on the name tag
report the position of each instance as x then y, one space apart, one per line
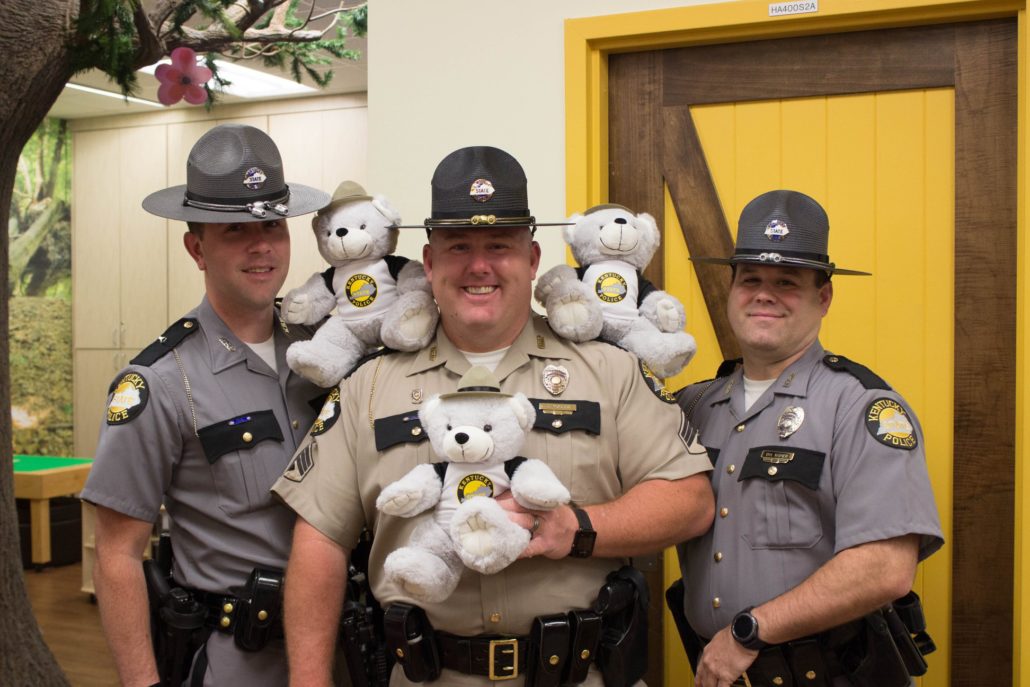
778 457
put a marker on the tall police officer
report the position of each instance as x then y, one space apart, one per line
205 419
823 499
611 434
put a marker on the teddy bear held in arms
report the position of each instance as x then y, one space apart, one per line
380 298
480 430
607 295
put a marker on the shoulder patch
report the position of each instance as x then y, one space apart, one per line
172 337
868 378
302 463
655 384
888 422
129 397
329 414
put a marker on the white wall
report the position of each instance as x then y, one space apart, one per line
451 73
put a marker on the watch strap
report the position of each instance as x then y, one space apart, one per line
583 540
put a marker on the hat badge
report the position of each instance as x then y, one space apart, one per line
254 178
482 190
776 230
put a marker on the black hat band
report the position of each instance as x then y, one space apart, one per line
464 220
778 255
275 201
491 389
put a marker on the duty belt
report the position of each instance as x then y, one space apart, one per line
495 657
223 613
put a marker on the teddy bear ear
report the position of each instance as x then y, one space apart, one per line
569 231
644 217
380 203
431 404
524 411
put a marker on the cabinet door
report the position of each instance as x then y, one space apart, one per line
93 373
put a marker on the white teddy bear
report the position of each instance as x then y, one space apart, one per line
608 295
480 431
380 299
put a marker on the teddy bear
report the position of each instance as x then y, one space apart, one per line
380 298
608 297
478 431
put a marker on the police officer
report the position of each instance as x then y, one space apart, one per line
823 501
608 430
207 417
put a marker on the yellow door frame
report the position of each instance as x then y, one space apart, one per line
589 41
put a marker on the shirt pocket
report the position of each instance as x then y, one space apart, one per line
780 495
246 456
401 443
566 436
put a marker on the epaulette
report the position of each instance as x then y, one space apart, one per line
868 378
726 368
368 356
172 337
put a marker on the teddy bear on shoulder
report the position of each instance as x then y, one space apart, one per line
608 296
479 431
379 298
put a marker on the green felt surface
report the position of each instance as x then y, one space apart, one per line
36 463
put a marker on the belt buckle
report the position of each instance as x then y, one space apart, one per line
499 648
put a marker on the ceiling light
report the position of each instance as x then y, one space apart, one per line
111 94
247 82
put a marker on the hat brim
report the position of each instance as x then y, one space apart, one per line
167 203
474 394
785 262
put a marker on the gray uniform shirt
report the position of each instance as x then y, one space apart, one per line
224 521
846 469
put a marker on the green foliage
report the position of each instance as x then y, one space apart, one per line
105 39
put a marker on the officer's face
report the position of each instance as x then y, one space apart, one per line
775 313
482 281
244 263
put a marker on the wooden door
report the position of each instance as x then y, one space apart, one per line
907 137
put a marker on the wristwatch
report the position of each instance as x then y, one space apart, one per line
744 629
583 541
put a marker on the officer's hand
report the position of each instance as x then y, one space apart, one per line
723 661
551 530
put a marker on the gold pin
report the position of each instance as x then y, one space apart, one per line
556 379
416 395
228 344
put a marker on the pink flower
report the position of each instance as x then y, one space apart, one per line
183 78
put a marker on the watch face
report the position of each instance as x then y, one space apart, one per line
743 628
583 544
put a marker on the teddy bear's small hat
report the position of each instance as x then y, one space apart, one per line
479 187
234 173
347 192
478 381
783 228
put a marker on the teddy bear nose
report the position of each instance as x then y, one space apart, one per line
341 232
461 437
620 220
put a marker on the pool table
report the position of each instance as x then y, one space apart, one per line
39 479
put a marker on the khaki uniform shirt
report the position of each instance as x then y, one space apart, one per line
602 432
846 466
215 486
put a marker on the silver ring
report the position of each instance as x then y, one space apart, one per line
536 525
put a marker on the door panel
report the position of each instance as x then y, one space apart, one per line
907 136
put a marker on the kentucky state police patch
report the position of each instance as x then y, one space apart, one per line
128 399
888 422
329 414
655 384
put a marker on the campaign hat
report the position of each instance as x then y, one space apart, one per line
783 228
234 173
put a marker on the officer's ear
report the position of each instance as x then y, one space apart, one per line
194 246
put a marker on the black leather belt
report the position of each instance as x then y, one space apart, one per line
222 612
495 657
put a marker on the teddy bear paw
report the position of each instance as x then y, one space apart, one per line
411 323
574 314
421 574
670 318
314 362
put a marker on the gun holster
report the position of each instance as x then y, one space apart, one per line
410 637
177 626
622 604
260 609
675 598
878 663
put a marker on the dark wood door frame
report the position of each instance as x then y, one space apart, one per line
653 142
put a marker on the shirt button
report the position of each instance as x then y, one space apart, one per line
740 427
730 469
495 617
772 470
810 675
777 681
723 512
416 431
716 602
718 556
295 424
247 437
557 424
